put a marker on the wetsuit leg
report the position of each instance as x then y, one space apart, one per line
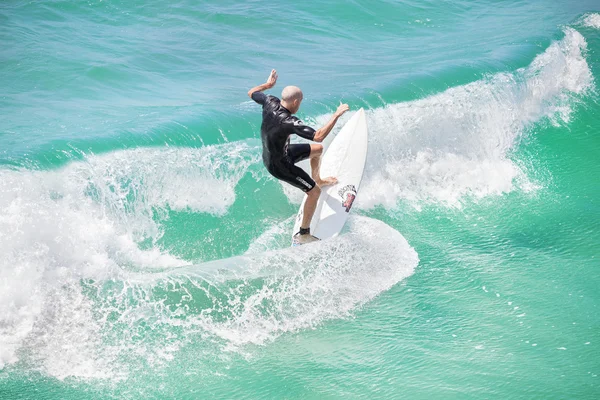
298 152
293 175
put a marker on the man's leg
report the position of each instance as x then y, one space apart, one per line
316 150
300 179
297 177
310 205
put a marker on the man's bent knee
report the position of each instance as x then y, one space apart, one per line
315 191
316 150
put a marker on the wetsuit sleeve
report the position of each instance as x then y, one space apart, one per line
259 97
300 129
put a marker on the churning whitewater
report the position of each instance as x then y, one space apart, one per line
145 248
82 223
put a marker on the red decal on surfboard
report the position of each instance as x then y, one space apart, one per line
348 194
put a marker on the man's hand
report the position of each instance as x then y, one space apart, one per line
322 133
342 108
272 79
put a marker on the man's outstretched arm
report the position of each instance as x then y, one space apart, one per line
265 86
322 133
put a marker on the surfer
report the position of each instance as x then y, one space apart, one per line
279 156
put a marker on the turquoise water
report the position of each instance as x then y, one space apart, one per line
145 248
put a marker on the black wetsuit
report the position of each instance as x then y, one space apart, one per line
278 155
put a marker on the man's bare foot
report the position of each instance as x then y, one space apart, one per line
330 180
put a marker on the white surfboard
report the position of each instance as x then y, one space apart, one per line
344 159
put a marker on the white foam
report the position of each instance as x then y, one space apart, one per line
109 328
591 20
298 288
277 236
459 144
83 222
67 237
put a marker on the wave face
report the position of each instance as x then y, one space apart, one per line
459 144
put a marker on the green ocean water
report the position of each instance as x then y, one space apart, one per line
145 248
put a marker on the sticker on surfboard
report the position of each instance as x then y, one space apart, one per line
348 194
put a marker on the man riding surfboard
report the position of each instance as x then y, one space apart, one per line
279 156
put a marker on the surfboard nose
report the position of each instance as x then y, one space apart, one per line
361 114
361 118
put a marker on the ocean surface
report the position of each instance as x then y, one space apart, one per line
144 249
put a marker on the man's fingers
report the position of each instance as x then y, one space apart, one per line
273 76
343 107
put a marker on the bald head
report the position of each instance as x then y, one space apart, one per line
291 97
291 93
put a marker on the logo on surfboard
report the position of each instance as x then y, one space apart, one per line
348 194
